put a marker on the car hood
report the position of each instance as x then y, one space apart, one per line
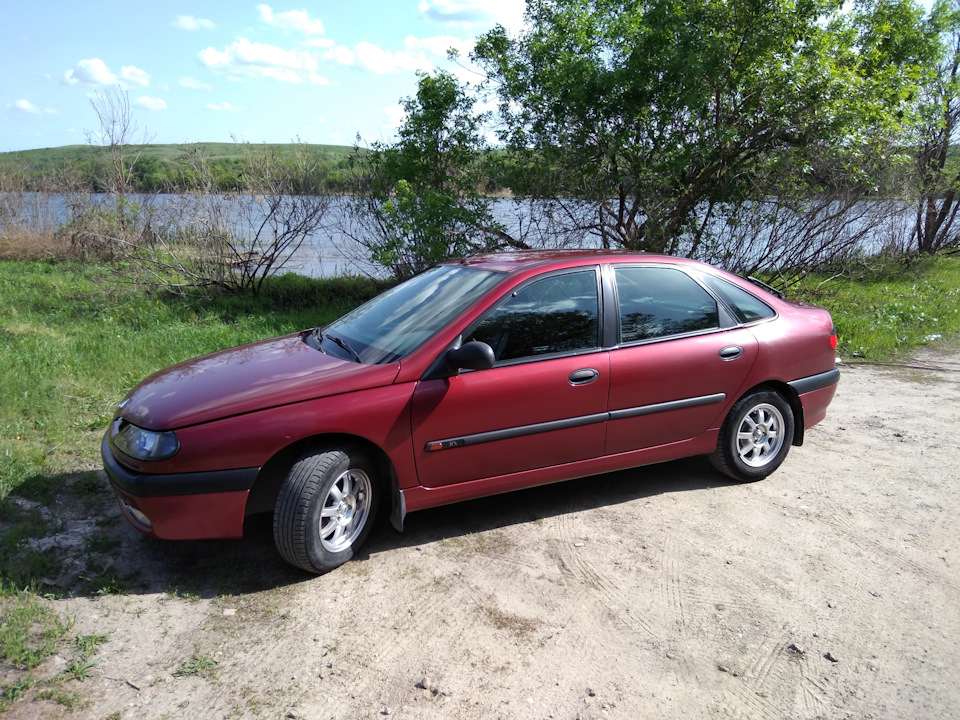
243 379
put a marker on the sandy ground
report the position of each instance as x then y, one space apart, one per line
828 590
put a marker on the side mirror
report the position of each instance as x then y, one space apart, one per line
474 355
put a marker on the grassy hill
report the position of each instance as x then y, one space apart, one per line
45 159
162 167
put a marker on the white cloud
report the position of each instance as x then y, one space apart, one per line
340 54
150 103
223 107
92 71
380 61
246 59
475 14
414 57
395 115
25 106
193 84
318 42
188 22
214 59
135 75
439 44
291 20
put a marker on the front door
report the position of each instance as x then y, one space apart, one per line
543 403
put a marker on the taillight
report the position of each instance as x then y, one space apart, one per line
833 337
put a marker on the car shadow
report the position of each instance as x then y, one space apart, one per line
547 501
105 555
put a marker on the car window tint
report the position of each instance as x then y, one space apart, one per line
556 314
745 306
399 320
657 302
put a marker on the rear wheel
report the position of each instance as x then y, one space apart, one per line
325 508
755 437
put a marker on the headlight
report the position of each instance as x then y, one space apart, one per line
146 444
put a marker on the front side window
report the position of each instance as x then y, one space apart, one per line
398 321
554 315
657 302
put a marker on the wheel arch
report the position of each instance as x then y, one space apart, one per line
266 487
788 394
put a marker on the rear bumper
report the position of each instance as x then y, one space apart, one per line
182 506
816 393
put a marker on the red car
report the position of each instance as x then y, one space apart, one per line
479 376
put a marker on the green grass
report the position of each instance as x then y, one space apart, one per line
29 630
74 341
885 309
30 633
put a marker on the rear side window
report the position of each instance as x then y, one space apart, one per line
745 306
658 302
553 315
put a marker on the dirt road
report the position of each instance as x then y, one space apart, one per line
829 590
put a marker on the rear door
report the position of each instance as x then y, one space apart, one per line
542 404
676 368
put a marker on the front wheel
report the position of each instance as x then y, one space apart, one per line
755 437
325 508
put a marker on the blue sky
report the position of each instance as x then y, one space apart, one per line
216 71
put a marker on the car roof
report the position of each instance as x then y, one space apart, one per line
511 262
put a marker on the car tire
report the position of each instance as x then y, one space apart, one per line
755 437
325 508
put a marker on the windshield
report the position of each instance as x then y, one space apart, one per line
398 321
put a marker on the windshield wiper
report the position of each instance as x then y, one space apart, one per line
345 345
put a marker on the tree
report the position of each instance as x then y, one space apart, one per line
937 173
118 130
419 199
661 112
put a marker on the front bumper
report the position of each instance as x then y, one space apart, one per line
181 506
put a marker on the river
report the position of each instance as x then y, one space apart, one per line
328 249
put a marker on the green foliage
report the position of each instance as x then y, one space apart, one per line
888 307
422 194
659 111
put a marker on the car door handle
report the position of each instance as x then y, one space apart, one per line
583 377
731 352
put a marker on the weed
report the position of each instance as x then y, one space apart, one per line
67 698
174 593
87 644
29 631
101 543
79 669
109 585
11 693
200 665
